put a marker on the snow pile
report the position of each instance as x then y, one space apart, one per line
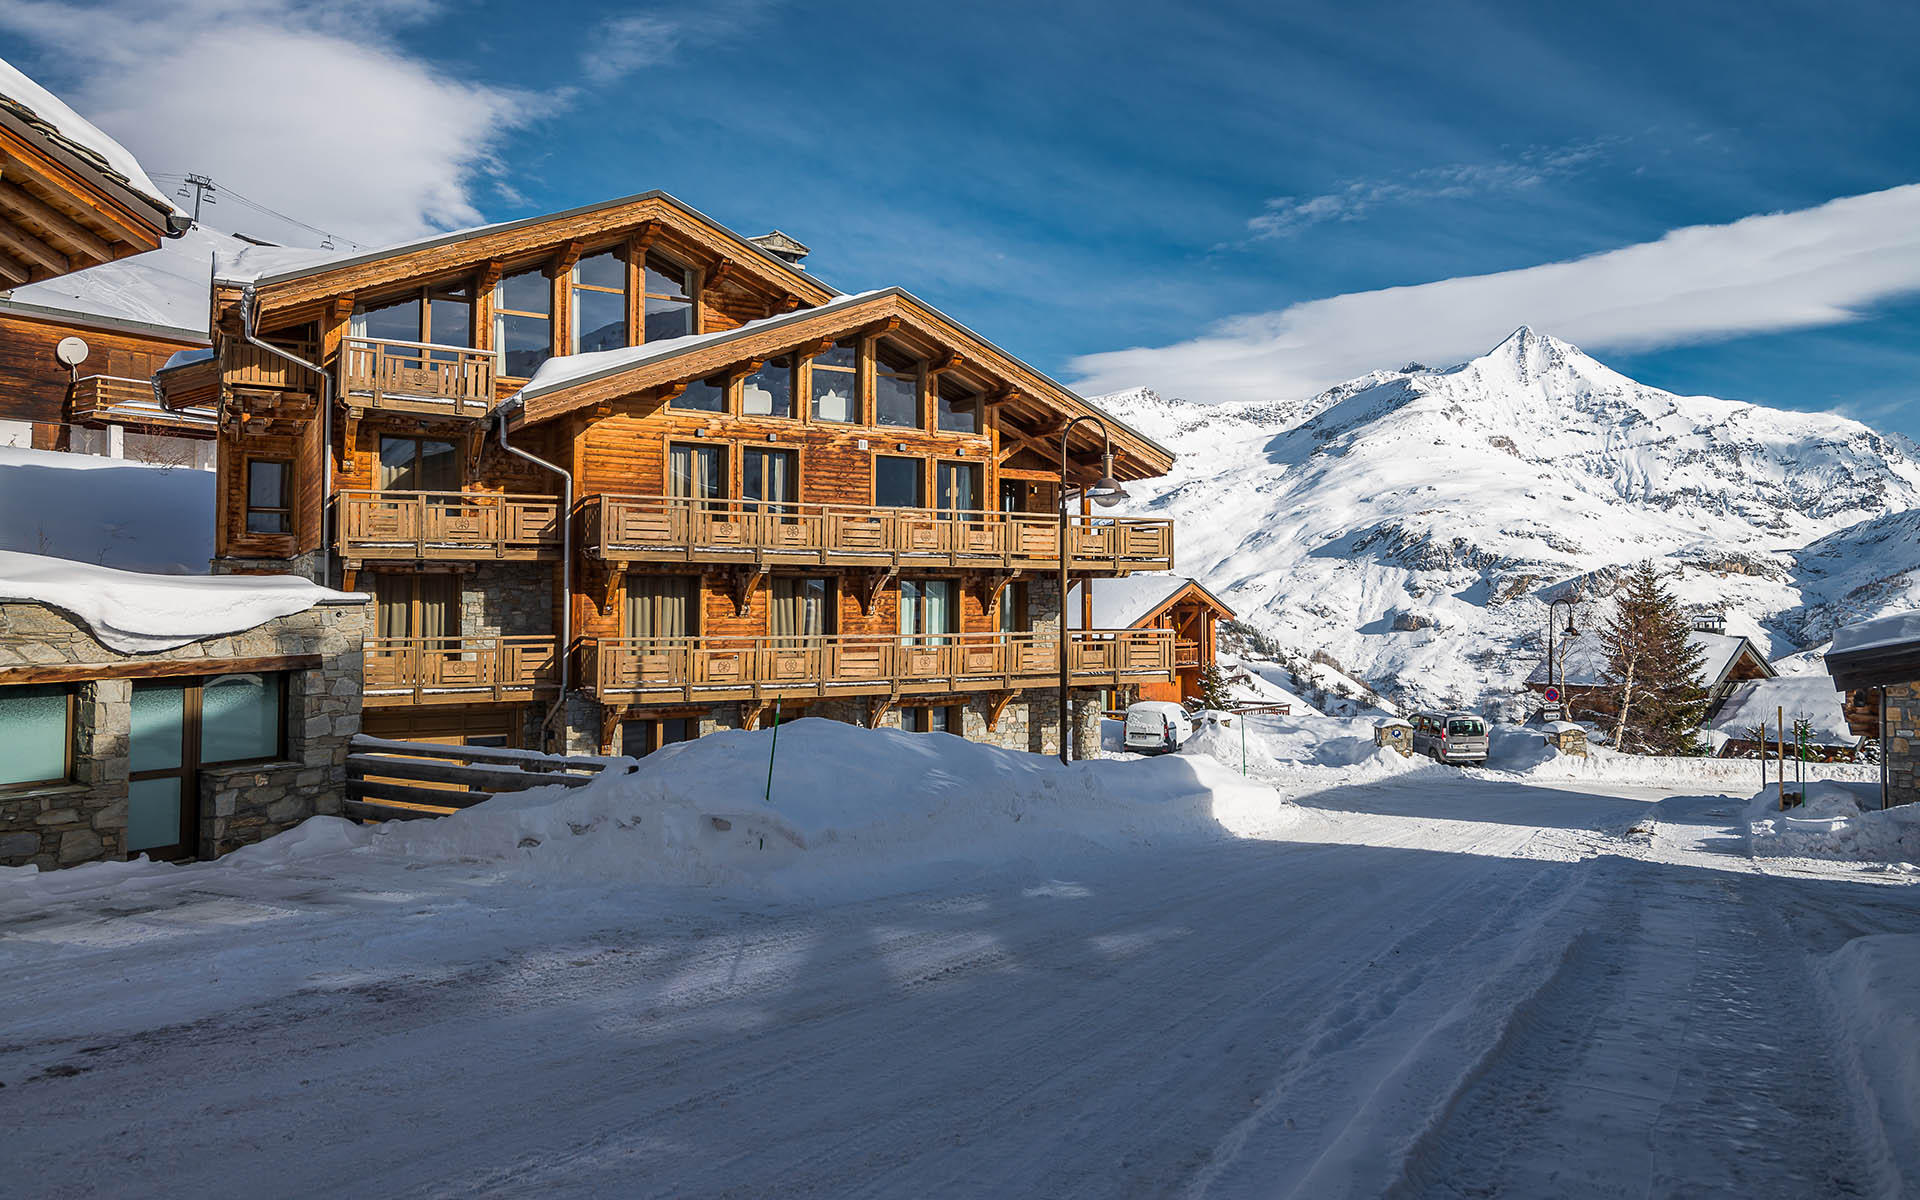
852 810
106 511
1874 980
135 613
1837 821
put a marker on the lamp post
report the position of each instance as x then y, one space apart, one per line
1106 492
1570 633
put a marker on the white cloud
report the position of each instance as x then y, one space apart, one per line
630 43
1794 270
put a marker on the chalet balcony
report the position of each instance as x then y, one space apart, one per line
416 377
1186 654
116 400
450 670
370 526
656 670
676 529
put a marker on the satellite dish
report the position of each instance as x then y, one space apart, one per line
71 352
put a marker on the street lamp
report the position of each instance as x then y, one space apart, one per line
1106 492
1570 633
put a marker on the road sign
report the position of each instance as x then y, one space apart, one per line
1552 695
1552 712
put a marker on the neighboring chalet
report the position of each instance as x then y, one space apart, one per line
1876 665
1765 703
1157 601
619 476
1727 660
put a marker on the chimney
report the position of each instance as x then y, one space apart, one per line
782 247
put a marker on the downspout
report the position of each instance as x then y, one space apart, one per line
566 564
326 425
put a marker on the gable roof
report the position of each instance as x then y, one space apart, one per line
1586 664
60 127
284 278
1876 652
1133 600
1760 702
574 381
164 292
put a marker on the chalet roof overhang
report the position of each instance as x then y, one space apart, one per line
1875 666
1019 390
277 292
1190 591
62 210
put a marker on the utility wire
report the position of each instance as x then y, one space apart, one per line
258 207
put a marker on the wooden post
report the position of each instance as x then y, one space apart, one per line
1780 733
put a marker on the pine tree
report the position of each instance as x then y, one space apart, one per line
1213 687
1653 668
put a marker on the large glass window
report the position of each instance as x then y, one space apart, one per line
396 321
836 383
703 395
663 606
899 482
669 299
768 478
240 718
1013 609
696 472
442 316
269 495
34 734
450 317
523 323
927 610
802 608
600 302
416 606
958 485
896 389
768 392
959 408
418 465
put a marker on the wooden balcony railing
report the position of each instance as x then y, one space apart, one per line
117 400
676 529
244 365
418 377
445 525
451 669
1186 654
653 670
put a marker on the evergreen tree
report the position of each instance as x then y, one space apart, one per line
1213 687
1653 669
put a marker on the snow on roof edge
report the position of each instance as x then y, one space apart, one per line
60 117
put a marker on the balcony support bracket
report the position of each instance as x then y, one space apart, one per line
868 584
752 712
878 708
610 717
740 583
997 704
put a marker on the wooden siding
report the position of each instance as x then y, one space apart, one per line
35 387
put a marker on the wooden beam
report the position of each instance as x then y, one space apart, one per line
166 669
34 251
18 200
814 349
878 708
995 706
740 584
720 272
13 271
569 254
867 585
950 361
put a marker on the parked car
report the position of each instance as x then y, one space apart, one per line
1156 727
1450 737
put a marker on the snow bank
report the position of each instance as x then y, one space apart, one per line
136 614
106 511
852 811
1875 980
1837 821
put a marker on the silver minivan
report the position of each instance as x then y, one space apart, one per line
1450 737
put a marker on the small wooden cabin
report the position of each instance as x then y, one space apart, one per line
1727 660
1173 603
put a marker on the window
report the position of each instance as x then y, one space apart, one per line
927 610
269 506
896 389
669 299
767 478
939 718
178 726
600 302
35 733
416 605
836 383
899 482
703 395
696 472
959 408
958 486
641 738
802 608
1014 615
410 464
768 392
395 321
523 323
240 718
663 606
1013 496
441 316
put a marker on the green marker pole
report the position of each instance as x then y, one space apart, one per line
1243 744
772 749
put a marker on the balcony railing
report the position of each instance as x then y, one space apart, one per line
677 529
452 669
473 526
1186 654
117 400
416 377
653 670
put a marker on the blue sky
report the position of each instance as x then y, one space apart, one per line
1080 178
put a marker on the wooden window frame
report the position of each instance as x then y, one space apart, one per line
413 579
831 604
288 491
425 295
624 252
726 398
381 436
694 285
67 758
920 421
729 470
799 454
855 375
979 407
191 764
697 610
496 309
979 467
873 481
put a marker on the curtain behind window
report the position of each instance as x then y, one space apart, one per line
800 609
661 606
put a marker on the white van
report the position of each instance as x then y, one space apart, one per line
1156 727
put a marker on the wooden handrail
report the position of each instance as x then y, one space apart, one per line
671 528
413 670
416 377
721 668
122 399
371 524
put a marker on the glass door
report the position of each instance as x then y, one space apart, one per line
768 481
162 810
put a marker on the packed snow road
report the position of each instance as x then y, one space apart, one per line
1437 986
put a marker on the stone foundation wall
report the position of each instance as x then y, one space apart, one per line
85 818
1900 727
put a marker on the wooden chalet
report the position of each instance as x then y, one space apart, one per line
1875 665
619 476
1155 601
1726 662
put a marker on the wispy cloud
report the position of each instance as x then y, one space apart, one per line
1794 270
638 40
1285 216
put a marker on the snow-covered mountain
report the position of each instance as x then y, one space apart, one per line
1408 521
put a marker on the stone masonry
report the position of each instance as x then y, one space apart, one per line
1900 727
85 818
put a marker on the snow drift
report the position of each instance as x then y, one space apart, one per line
106 511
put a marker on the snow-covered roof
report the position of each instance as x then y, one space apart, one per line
1585 665
1759 702
1118 603
168 291
1394 723
1892 629
54 115
136 613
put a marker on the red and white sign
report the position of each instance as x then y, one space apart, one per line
1552 695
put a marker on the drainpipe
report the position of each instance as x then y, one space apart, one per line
326 425
566 563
